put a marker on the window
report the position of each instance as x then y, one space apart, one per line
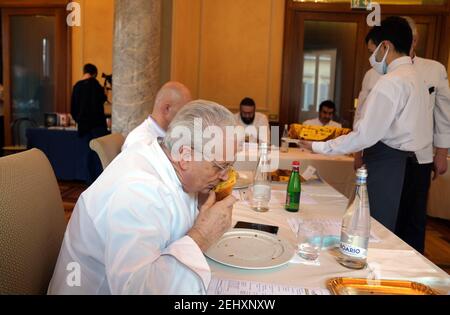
319 73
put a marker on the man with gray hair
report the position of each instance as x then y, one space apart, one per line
169 100
143 226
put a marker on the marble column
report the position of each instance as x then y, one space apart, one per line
136 61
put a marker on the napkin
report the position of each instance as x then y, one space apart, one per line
397 264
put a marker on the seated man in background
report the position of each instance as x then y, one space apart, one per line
326 112
248 117
143 226
169 100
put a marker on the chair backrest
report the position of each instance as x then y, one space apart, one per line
107 147
32 223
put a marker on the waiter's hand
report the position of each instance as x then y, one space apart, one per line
440 163
212 222
306 145
358 161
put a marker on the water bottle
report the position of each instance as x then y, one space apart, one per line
284 143
261 184
356 226
294 189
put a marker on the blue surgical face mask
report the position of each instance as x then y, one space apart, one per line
380 67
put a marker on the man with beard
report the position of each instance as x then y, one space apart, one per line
256 124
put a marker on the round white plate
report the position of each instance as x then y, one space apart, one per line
251 249
244 180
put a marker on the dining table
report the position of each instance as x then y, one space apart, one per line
389 258
338 171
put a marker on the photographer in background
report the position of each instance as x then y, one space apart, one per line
107 86
87 108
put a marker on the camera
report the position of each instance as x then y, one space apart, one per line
108 78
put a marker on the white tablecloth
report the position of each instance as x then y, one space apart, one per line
339 173
389 254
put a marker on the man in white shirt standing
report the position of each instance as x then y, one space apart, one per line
169 100
256 124
370 79
142 227
327 109
388 128
412 219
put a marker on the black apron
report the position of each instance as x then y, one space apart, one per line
386 168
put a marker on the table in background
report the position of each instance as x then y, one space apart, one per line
391 257
69 155
339 173
335 170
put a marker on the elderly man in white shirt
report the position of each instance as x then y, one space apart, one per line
388 128
169 100
256 124
327 109
143 226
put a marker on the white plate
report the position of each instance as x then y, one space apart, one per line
251 249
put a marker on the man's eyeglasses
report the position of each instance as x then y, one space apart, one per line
223 168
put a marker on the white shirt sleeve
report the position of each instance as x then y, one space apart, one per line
377 115
140 257
367 86
442 112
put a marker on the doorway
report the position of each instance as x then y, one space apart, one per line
35 68
325 55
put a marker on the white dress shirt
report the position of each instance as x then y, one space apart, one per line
145 132
436 77
128 232
370 79
397 112
317 122
260 121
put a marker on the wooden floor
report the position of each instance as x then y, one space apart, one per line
437 246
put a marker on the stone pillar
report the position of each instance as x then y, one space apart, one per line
136 61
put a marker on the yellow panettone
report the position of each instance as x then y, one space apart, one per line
295 130
224 189
346 131
316 133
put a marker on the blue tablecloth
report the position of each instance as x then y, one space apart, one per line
69 155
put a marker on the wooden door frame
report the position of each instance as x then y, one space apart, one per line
62 69
291 92
293 43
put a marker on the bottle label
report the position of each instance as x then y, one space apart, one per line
292 198
353 251
261 191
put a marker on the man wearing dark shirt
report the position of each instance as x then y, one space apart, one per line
88 100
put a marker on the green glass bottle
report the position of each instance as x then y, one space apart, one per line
294 189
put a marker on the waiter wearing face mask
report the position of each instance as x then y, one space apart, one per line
388 130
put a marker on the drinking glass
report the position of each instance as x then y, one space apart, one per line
309 237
